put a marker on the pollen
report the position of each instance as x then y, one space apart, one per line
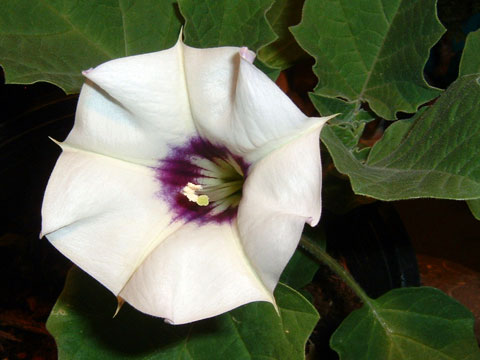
190 191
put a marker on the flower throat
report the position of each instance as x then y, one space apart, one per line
202 182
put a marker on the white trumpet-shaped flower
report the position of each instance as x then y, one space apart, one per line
185 182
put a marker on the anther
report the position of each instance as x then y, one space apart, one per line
190 192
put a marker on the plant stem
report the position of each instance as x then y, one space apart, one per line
321 255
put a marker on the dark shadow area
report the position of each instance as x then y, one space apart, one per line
32 272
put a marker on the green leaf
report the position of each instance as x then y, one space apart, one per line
408 324
212 23
470 62
326 106
371 51
82 325
348 125
474 206
270 72
55 40
349 134
433 155
285 51
300 270
392 138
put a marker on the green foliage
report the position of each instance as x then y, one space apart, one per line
346 111
371 50
348 125
470 63
82 325
474 206
416 157
212 23
420 158
285 51
270 72
300 270
55 40
408 324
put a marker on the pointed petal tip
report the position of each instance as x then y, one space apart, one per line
247 54
325 119
180 36
275 306
316 123
85 72
169 322
120 302
55 141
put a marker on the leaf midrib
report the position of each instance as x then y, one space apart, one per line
380 48
64 18
391 334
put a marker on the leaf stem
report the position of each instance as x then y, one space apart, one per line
321 255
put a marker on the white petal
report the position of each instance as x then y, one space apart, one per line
262 113
104 212
211 76
236 104
104 215
196 273
281 193
134 107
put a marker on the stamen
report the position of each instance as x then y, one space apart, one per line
202 182
222 190
190 192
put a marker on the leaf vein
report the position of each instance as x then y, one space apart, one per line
111 56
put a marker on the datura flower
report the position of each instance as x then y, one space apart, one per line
185 182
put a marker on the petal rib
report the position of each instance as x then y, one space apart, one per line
262 113
196 273
236 104
211 76
131 108
281 193
104 215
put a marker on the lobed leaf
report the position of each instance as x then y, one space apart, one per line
82 325
55 40
470 63
212 23
371 51
284 51
435 154
408 324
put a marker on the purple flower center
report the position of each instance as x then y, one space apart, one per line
202 182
